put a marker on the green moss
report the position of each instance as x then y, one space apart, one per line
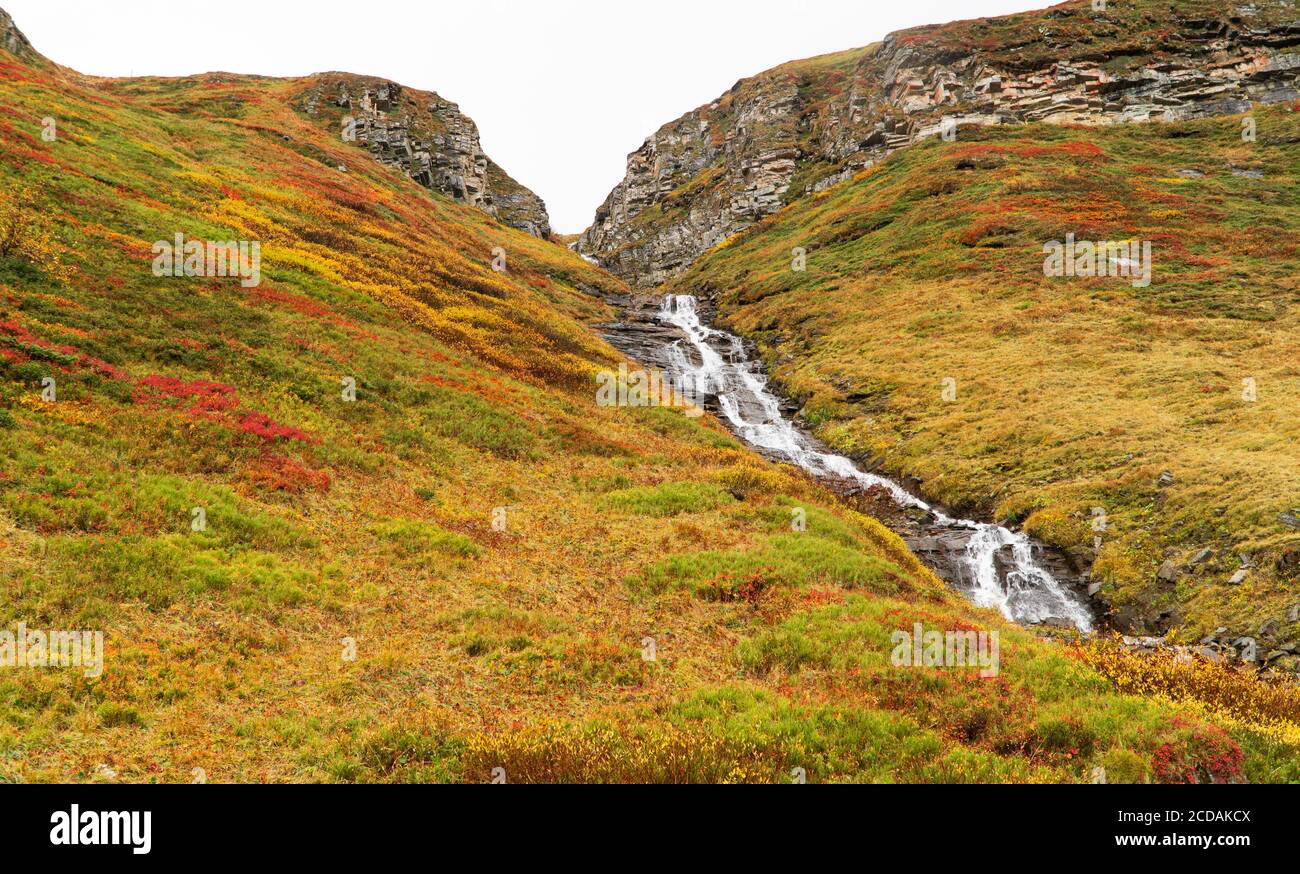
414 538
669 499
789 560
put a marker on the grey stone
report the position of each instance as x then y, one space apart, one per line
1247 648
430 140
1209 653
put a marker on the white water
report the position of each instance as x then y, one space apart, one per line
1028 594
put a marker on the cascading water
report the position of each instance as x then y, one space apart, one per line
715 363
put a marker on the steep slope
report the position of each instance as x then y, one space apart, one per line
807 125
469 564
1145 427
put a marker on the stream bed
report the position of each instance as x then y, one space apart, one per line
1029 582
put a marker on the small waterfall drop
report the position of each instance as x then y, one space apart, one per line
715 361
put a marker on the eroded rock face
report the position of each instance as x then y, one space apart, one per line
12 39
427 138
806 126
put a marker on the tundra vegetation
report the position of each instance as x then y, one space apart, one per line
458 571
1167 406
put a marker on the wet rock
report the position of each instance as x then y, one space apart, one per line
1127 620
1004 562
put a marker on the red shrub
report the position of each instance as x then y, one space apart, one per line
209 397
1205 755
263 426
279 473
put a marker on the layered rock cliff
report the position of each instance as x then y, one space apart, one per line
12 39
807 125
427 138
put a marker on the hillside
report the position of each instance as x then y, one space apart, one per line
1165 405
807 125
363 519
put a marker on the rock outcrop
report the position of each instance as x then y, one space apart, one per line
808 125
12 39
427 138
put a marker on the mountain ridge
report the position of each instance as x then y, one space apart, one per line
418 133
806 125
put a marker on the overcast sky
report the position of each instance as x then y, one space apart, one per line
561 90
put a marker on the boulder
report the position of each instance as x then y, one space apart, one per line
1208 653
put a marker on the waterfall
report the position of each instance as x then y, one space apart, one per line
716 361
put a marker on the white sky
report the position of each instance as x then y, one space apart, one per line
561 90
